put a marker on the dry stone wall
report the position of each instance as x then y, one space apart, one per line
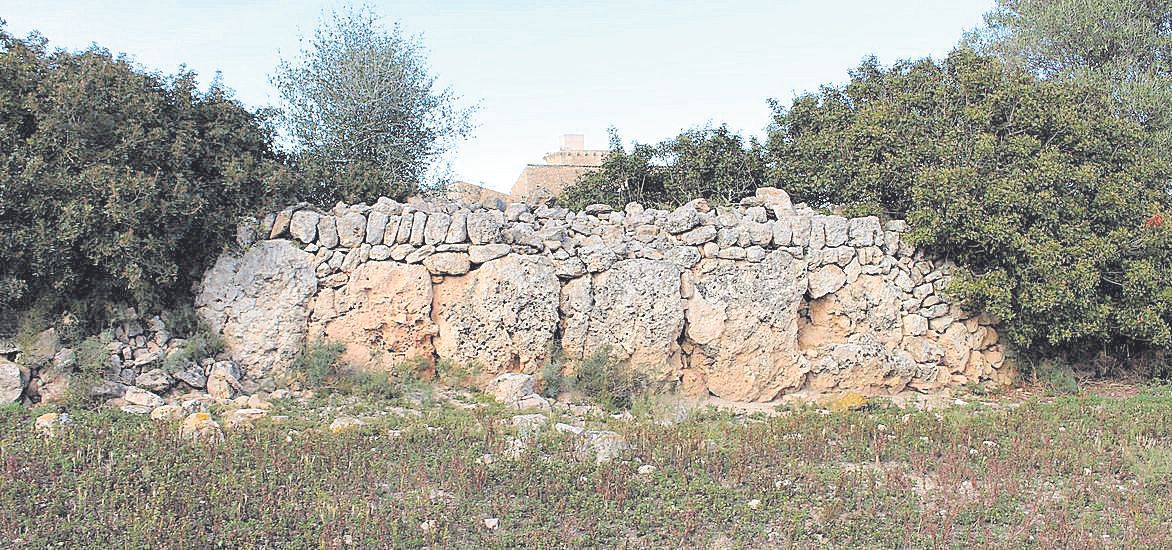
747 302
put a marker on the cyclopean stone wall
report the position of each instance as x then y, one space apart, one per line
747 303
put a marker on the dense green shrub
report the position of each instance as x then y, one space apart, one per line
713 163
1052 203
117 184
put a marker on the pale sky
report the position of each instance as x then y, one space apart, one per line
540 69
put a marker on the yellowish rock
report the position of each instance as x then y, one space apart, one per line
849 401
384 315
200 428
48 424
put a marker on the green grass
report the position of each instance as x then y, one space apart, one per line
1073 472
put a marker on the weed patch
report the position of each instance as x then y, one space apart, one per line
610 383
1073 471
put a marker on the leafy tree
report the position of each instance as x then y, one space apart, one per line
364 111
117 184
1125 45
1053 204
861 145
714 163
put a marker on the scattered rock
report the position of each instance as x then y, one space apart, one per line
569 429
345 424
136 409
192 376
602 446
222 381
533 402
529 425
168 413
65 359
510 388
201 429
243 418
154 380
139 396
107 389
848 401
50 424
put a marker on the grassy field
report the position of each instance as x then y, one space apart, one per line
1069 472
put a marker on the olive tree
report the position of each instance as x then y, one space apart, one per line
363 110
1124 45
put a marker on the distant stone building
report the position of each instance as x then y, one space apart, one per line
472 193
538 183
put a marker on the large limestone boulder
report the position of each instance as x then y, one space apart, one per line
635 309
259 302
854 339
510 387
743 324
866 365
958 343
502 316
869 304
383 314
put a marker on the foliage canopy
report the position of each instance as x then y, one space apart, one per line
714 163
364 111
1051 202
1123 45
117 184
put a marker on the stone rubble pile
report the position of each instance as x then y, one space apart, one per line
746 302
135 375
